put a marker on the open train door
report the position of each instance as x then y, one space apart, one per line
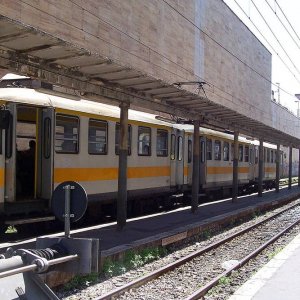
10 155
2 164
46 153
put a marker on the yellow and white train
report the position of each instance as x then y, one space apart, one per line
52 139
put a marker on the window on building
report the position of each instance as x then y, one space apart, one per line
66 134
173 146
241 152
117 139
217 150
226 151
208 149
144 141
162 142
246 153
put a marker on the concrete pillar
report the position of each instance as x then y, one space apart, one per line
299 169
196 166
235 169
290 166
277 167
122 176
260 167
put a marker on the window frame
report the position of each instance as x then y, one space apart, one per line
246 153
78 134
150 141
209 145
167 143
241 157
226 143
106 135
173 147
219 152
179 148
129 141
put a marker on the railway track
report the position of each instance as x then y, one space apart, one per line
193 275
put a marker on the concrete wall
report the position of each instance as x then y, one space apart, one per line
172 40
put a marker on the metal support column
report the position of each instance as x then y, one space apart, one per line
122 176
290 166
196 166
235 169
277 167
260 167
299 169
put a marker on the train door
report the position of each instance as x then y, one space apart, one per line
202 173
10 155
2 169
25 152
180 158
46 153
173 164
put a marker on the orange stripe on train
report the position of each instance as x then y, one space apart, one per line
95 174
1 178
225 170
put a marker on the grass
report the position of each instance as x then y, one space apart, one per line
80 281
132 260
11 229
224 280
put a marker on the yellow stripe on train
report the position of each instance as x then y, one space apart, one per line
95 174
225 170
1 178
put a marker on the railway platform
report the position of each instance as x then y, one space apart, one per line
174 226
277 280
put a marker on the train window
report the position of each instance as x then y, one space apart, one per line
246 153
162 142
8 138
226 151
241 152
66 134
272 156
144 141
190 151
47 138
97 137
173 146
117 139
268 155
180 147
251 155
217 150
208 149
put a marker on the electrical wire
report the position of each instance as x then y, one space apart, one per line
288 68
274 11
275 36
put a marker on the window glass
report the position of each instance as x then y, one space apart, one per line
241 153
251 155
180 147
190 151
208 149
162 142
66 134
217 150
246 153
117 139
226 151
173 146
97 137
272 156
268 155
144 141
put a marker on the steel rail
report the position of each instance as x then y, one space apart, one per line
203 290
34 266
171 266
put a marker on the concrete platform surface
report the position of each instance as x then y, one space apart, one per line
279 279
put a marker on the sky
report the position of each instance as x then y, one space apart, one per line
282 45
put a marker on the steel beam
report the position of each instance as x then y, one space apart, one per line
235 174
260 167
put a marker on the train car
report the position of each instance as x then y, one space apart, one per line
51 139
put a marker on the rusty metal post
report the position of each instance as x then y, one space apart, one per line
260 167
235 169
196 166
299 169
290 166
122 176
277 167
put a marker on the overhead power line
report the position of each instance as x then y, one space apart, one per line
283 24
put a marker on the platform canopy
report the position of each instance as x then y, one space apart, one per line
27 51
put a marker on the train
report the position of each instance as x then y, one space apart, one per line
49 139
